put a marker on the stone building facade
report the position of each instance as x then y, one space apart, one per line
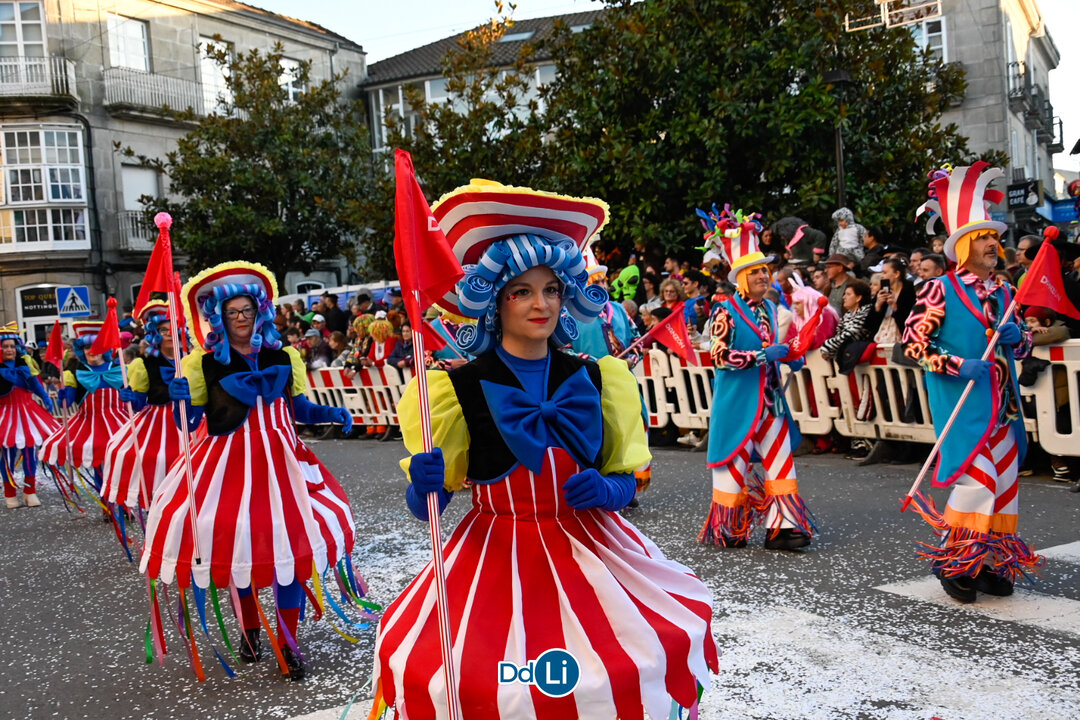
78 77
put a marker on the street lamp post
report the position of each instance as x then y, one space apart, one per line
840 80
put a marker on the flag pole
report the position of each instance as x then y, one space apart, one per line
111 302
435 528
956 411
185 436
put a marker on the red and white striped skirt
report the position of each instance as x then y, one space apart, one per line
23 423
98 419
266 509
527 573
146 447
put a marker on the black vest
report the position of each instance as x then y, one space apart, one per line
5 386
489 457
224 413
158 392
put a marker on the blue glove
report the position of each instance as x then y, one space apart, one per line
775 352
179 389
1010 334
975 369
798 364
311 413
67 396
428 475
136 398
38 389
589 489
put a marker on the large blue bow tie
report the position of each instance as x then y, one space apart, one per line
168 372
572 415
19 376
247 386
92 379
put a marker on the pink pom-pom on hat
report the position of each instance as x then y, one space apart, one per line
163 220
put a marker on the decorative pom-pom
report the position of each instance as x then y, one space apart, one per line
163 220
111 303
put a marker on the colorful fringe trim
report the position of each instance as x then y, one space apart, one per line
789 506
724 524
965 552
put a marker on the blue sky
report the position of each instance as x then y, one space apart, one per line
385 28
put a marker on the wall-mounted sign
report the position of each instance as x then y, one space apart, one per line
1028 194
38 301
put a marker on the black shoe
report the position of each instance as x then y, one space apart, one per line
730 542
297 671
991 583
251 646
960 587
633 502
787 539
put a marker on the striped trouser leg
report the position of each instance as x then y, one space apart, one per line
782 504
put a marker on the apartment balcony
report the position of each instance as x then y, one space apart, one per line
1055 142
1035 117
137 234
39 82
140 94
1019 87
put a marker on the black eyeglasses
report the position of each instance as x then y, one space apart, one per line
247 313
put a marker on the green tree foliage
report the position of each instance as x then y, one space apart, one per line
285 181
487 129
668 105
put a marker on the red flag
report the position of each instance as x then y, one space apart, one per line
54 352
1042 285
802 342
433 341
673 334
159 271
109 337
426 264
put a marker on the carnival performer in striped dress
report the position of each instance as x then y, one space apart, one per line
95 386
749 411
947 333
138 457
268 514
546 443
24 424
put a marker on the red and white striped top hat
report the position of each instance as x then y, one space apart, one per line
478 214
962 199
740 238
86 328
154 307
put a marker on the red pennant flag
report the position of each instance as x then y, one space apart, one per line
109 337
159 271
433 341
802 342
673 334
426 265
54 352
1043 286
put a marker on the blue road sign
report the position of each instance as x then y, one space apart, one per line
73 301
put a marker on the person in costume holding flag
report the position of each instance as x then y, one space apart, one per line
267 513
138 457
95 387
546 444
947 333
24 424
749 411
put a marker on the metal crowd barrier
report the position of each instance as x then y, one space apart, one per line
820 398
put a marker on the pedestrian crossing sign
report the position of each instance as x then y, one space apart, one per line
73 301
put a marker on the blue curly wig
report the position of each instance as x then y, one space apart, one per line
504 260
81 344
152 333
217 341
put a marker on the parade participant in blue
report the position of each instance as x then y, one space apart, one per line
612 332
750 415
545 443
24 424
138 457
267 513
95 387
947 333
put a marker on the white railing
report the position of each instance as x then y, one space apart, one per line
137 89
136 234
37 76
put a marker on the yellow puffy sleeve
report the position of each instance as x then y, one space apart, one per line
138 378
448 430
69 379
191 367
626 447
32 364
299 371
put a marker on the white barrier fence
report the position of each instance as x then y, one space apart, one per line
821 399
